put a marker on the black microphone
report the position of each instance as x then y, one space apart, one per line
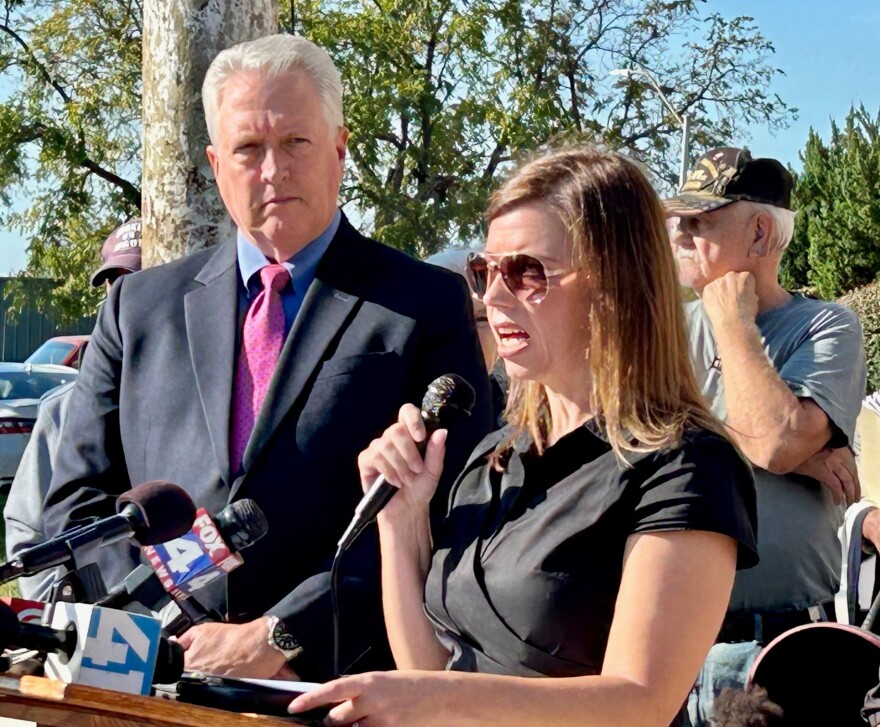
17 635
448 400
151 513
64 642
238 526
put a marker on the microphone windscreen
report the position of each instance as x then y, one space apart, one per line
241 524
449 399
165 511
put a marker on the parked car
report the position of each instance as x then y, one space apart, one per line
21 386
61 350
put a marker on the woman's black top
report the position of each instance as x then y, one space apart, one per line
528 562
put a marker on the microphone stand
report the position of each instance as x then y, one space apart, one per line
334 605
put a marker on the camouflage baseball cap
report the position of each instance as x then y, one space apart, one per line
726 175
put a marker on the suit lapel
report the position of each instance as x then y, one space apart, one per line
210 328
324 313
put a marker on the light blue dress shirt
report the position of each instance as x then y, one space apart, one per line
301 266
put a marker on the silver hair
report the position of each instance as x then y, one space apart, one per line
783 224
271 57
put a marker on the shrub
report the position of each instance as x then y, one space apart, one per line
865 301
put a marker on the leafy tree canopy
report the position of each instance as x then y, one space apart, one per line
837 235
441 96
70 133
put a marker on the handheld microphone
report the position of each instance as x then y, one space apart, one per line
448 400
151 513
99 647
209 550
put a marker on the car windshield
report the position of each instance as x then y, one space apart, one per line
24 385
51 352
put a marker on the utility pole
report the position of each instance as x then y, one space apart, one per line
681 118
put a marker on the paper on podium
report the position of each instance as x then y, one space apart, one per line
284 686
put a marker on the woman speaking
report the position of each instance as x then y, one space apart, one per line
594 539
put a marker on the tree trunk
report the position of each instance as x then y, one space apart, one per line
181 209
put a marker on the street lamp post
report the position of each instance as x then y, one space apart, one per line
682 119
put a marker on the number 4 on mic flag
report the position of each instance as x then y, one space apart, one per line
114 650
188 563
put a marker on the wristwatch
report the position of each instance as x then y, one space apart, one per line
281 640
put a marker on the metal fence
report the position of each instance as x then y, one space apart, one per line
19 338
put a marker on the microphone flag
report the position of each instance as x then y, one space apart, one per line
114 649
190 562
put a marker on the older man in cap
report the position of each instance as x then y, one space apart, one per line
786 373
121 255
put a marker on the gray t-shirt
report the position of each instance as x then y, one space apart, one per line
817 349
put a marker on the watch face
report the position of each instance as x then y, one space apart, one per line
283 639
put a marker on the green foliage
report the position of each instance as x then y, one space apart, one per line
865 301
442 95
69 135
837 239
794 269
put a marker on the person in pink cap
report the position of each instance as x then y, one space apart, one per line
121 254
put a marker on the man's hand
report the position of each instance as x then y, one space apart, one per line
731 299
238 650
871 528
836 470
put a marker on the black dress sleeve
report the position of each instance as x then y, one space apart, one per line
704 484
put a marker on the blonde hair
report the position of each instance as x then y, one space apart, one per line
643 389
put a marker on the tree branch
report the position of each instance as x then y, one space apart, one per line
41 69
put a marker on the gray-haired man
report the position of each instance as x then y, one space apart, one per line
261 368
786 373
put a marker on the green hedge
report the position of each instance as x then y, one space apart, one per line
865 301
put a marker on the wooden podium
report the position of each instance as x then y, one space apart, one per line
56 704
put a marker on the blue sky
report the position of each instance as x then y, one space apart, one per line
830 52
831 57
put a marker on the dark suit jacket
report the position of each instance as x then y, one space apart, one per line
153 403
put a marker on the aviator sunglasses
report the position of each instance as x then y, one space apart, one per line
524 276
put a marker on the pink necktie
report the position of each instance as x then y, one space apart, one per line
262 339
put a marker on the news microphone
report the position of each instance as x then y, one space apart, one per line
448 400
209 550
142 592
151 513
15 634
99 647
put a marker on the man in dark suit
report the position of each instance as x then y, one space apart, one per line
260 369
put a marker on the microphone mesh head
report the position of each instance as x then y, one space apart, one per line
241 524
449 399
165 511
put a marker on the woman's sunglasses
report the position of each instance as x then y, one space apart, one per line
524 276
